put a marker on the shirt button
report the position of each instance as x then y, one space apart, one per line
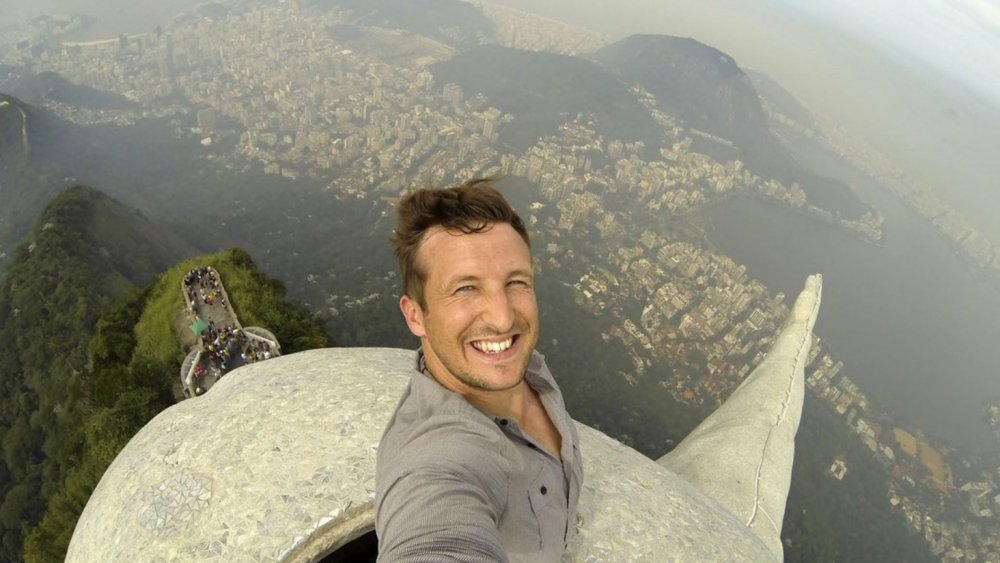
544 490
532 446
503 422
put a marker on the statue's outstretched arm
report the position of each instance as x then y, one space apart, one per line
741 455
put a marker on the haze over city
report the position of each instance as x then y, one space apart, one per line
917 80
671 217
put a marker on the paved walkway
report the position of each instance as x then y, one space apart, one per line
223 345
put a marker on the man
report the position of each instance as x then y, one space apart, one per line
480 462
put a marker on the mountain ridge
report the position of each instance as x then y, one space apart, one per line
58 282
699 84
48 86
707 90
543 90
25 181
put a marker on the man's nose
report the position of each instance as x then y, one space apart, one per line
498 311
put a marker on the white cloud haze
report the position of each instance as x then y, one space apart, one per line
960 39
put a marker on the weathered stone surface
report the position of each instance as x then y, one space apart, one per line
283 450
277 463
742 454
272 456
632 509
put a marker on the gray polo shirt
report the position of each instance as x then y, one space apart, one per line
454 483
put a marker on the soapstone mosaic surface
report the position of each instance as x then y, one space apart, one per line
632 509
281 451
276 451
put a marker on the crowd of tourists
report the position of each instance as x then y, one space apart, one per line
222 347
220 344
202 283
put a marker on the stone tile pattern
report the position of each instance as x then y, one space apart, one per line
632 509
169 506
282 452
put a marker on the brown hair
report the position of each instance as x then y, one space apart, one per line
470 208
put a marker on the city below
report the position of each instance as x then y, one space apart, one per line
269 87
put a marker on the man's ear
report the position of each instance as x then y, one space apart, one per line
413 314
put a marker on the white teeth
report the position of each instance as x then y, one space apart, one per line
492 347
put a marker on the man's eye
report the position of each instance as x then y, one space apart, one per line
465 288
518 282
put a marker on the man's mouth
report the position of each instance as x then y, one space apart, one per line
491 347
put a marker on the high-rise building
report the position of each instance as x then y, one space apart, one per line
206 120
490 118
452 93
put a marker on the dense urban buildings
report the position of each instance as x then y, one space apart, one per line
274 87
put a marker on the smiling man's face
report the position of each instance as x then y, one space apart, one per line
480 321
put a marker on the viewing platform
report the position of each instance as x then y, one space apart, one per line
222 343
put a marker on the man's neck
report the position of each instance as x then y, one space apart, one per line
507 403
523 404
503 403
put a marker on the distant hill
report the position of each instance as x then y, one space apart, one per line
456 23
45 86
85 251
13 120
27 126
542 90
118 239
700 85
705 89
41 154
36 151
26 181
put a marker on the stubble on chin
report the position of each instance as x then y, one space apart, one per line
482 383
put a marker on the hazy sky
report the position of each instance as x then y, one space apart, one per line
917 79
958 38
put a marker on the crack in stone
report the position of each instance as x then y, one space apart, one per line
803 351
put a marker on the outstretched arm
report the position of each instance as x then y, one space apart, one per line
440 511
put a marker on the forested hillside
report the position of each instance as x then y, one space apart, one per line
87 357
85 251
